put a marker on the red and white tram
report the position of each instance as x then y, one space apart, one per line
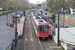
41 27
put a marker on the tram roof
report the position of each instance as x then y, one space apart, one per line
39 20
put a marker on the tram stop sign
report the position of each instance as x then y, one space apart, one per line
45 6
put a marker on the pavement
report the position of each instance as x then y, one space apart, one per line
20 25
22 37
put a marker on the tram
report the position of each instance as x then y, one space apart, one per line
41 27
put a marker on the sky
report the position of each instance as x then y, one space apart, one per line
36 1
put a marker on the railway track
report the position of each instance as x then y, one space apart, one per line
44 44
34 43
31 41
28 36
47 44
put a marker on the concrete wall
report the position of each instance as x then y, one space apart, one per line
7 34
69 19
66 36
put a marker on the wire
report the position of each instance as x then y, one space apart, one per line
69 32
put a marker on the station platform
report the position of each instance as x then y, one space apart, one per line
20 26
21 34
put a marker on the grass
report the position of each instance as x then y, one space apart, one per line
26 12
5 12
53 42
1 12
59 49
67 22
18 45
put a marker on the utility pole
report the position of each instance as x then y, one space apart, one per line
16 25
63 13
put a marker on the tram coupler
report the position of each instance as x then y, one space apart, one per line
43 38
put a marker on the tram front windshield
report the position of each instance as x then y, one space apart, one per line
43 29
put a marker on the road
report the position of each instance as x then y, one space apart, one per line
4 17
62 23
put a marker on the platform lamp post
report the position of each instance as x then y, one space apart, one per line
16 25
58 29
58 42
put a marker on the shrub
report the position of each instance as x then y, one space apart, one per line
53 15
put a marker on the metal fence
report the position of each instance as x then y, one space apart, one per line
66 15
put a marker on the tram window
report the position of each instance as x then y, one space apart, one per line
44 29
38 29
